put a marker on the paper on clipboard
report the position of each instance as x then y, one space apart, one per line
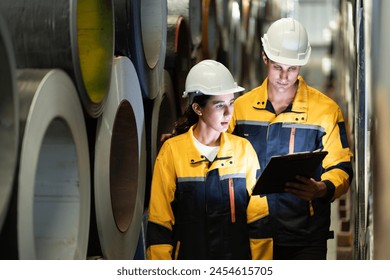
282 169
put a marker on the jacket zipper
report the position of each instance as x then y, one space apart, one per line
231 196
291 151
292 140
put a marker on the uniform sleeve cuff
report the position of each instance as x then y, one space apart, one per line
330 193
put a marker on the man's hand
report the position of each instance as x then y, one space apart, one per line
307 189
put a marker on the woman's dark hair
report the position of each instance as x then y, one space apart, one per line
189 117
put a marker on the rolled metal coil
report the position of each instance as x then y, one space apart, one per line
252 72
123 23
210 30
53 202
148 35
223 22
191 10
178 57
164 115
76 36
120 164
9 120
236 37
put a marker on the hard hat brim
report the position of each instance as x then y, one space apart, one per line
205 92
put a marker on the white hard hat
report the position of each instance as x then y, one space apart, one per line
210 77
286 42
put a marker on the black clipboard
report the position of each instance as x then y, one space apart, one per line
283 169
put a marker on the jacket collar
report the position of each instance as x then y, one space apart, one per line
299 105
224 156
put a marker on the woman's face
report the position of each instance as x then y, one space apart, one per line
217 112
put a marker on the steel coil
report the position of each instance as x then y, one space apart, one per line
120 164
123 23
191 10
210 31
76 36
164 115
236 36
148 36
53 203
252 72
178 57
223 22
9 120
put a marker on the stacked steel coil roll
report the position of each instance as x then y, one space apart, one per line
9 123
88 87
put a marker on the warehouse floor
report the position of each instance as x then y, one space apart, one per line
332 243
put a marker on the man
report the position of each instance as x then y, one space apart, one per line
284 115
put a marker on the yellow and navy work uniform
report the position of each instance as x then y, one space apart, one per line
311 122
198 209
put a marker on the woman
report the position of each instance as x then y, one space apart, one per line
203 176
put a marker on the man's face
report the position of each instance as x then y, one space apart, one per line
281 77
